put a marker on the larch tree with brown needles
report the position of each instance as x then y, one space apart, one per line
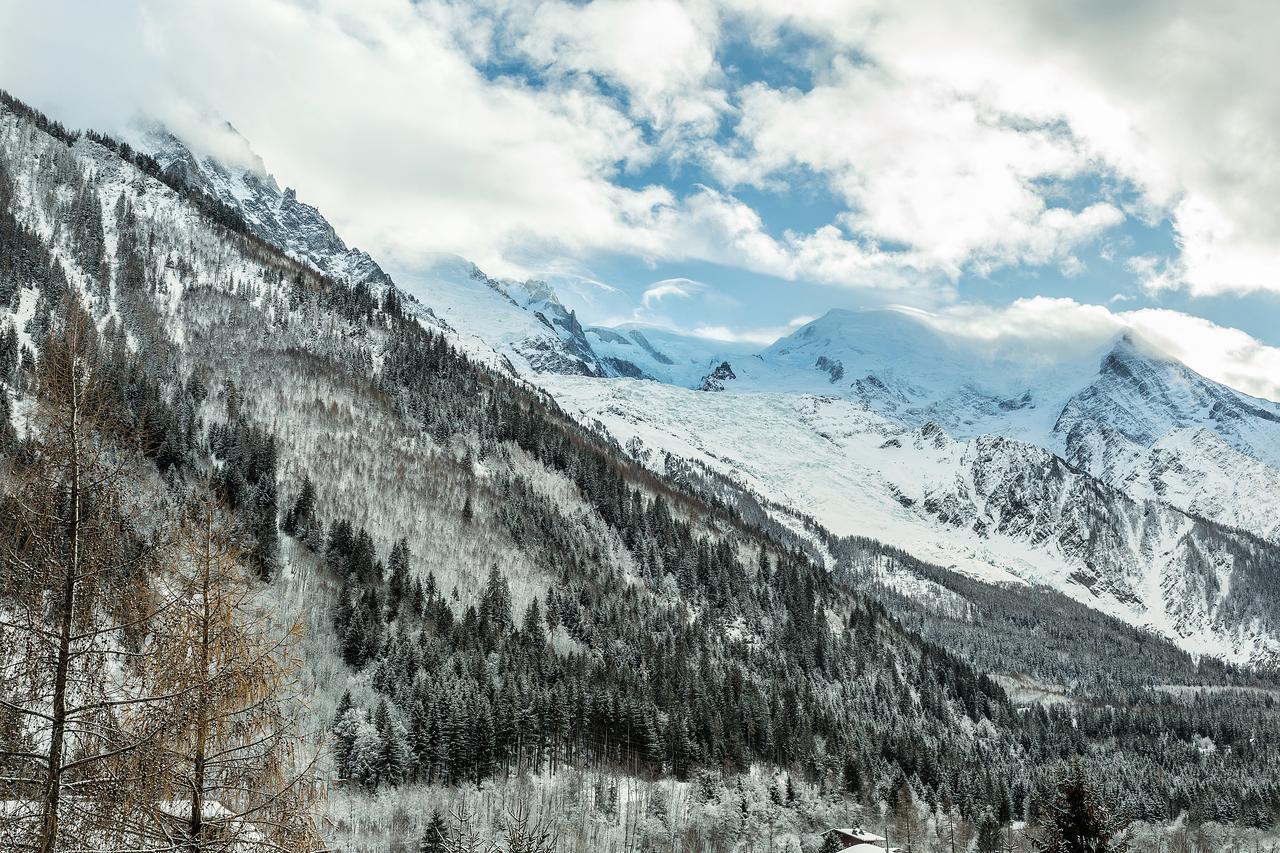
74 603
231 767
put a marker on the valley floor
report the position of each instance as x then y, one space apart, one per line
591 812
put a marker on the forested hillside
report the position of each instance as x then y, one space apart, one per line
487 590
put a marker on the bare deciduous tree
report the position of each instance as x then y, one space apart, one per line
230 771
521 833
76 600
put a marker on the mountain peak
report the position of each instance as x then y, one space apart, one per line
537 290
210 143
1130 344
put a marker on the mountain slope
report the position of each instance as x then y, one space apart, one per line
1142 395
991 507
523 321
446 498
888 419
275 215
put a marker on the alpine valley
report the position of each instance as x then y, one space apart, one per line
629 589
1120 478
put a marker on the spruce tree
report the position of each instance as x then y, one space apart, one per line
343 733
831 844
531 625
435 836
394 756
1076 821
989 834
398 584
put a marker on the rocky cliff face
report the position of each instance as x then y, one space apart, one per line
275 215
1139 396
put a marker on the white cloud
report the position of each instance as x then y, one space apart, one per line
372 108
376 111
954 134
1052 329
1153 273
1042 328
682 288
1071 266
949 177
716 226
660 51
1225 355
760 335
1174 99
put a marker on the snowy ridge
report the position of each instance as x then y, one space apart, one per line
276 215
522 320
1196 470
1142 395
666 356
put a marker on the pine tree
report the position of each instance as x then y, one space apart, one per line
495 601
131 272
553 610
989 834
483 742
852 776
397 576
348 725
1076 821
523 834
8 436
343 733
531 625
831 844
394 756
366 756
300 521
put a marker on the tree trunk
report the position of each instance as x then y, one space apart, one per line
195 828
66 613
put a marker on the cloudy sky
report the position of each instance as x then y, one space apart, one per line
732 168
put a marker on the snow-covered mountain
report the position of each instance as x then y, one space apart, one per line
1139 397
1126 413
1116 475
991 507
523 321
275 214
